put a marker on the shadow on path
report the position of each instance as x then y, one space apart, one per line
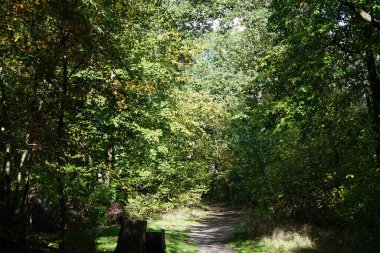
214 230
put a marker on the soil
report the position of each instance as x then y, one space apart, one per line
214 230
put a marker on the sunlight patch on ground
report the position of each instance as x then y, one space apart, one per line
279 241
285 241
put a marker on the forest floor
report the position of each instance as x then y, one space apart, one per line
176 224
192 230
214 230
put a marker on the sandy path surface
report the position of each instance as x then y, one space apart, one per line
212 232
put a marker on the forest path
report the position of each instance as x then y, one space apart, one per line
213 231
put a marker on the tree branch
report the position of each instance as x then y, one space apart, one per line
363 14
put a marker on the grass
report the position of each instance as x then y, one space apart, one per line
279 241
266 237
282 241
107 238
176 226
253 235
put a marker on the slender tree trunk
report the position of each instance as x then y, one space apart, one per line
59 156
16 195
62 216
374 80
24 199
5 147
7 181
110 154
4 118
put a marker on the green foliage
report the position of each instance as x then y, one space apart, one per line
154 104
92 92
307 143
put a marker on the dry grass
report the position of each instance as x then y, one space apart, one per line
287 241
279 240
185 213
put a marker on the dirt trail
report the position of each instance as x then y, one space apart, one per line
212 232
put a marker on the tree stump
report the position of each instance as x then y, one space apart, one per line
131 236
155 242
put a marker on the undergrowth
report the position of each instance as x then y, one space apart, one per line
261 233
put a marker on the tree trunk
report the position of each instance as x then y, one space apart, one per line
131 236
155 242
374 81
24 199
6 147
7 181
110 154
59 159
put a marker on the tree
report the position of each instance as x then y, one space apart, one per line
313 100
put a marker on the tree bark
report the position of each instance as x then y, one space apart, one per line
131 236
59 156
374 81
6 147
110 154
155 242
362 14
24 198
7 181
